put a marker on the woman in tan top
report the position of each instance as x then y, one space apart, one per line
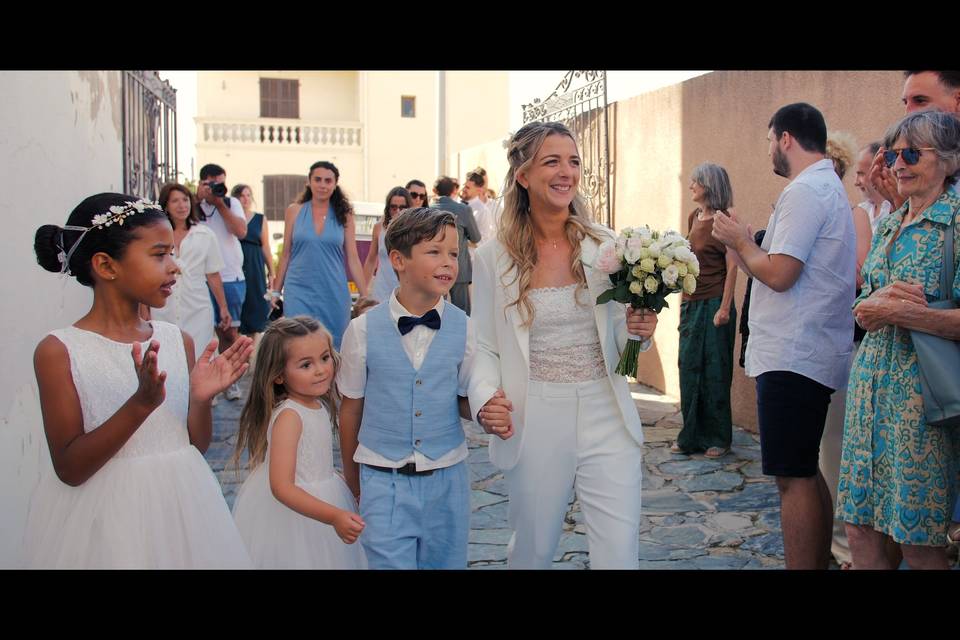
708 321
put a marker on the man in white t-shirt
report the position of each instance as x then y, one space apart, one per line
801 328
225 217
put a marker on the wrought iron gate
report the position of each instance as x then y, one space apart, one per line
149 133
580 102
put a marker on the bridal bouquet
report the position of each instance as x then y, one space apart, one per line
645 267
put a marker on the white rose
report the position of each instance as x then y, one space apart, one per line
631 253
636 288
637 272
689 284
681 269
651 284
670 275
664 260
693 266
683 254
648 265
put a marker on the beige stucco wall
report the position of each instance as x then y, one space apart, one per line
478 115
61 128
324 95
722 117
399 149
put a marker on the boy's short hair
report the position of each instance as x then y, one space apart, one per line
416 226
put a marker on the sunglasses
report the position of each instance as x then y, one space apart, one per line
911 155
396 207
418 196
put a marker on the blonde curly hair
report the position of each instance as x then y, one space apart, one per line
841 150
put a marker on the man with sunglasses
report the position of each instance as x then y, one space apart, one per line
922 90
801 328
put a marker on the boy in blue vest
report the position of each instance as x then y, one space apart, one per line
404 376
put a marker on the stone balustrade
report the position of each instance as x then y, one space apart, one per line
279 132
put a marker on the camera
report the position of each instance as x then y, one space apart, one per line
219 189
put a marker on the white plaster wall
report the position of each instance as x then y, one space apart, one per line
60 141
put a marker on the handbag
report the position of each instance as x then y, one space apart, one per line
939 358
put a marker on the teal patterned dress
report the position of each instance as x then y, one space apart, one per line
898 475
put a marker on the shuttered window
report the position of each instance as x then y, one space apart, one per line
279 98
279 192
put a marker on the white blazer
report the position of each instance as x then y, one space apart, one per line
503 343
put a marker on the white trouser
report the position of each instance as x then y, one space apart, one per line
575 436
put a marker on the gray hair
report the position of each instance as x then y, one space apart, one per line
714 179
935 129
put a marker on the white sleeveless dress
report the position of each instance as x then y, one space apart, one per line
156 503
277 536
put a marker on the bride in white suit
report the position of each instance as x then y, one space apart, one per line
543 378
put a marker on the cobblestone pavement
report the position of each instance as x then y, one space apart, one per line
698 513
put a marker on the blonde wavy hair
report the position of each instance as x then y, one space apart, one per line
266 394
516 228
841 150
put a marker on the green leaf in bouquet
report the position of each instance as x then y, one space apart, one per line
606 296
622 292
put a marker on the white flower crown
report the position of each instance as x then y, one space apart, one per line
115 214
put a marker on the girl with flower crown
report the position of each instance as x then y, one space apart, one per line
126 408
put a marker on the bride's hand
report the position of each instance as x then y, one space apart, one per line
641 322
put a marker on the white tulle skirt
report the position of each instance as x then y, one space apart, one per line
160 511
278 537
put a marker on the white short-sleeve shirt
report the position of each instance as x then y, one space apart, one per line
352 378
808 329
229 244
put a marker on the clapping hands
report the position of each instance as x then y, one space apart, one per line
212 375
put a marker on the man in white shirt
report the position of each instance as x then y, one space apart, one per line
226 219
801 328
475 192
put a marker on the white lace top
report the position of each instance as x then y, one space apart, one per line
315 449
105 378
564 344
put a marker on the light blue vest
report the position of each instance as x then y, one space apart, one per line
405 409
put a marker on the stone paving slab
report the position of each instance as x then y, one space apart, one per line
698 513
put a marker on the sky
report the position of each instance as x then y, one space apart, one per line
524 87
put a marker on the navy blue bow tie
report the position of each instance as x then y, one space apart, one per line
430 319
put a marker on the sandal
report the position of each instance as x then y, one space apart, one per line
716 452
675 448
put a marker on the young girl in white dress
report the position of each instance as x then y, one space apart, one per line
294 511
126 410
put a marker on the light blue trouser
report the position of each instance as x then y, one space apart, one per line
415 522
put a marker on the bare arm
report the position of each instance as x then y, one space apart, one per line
207 379
75 453
778 271
722 316
265 247
353 258
283 470
216 286
861 225
372 262
289 220
237 225
351 411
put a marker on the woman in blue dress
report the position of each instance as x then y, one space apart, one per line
257 260
318 231
378 262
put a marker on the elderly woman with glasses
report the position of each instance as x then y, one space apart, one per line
708 321
899 476
378 262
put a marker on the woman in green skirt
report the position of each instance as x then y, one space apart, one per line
708 321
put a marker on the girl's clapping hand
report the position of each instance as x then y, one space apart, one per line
212 375
150 392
